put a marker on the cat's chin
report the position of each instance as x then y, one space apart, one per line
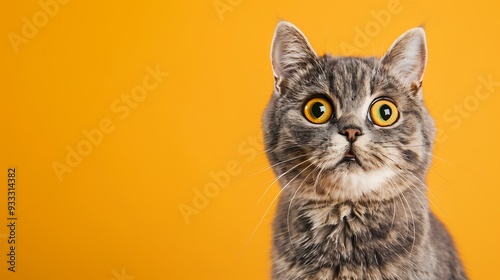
349 164
349 181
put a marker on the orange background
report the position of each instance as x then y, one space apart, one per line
117 213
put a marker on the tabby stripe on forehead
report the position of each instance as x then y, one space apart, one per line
354 83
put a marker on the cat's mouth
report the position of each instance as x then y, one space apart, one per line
349 155
350 158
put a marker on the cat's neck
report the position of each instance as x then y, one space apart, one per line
367 212
361 233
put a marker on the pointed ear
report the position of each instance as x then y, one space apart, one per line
290 51
407 57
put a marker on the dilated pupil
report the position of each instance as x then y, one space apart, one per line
318 109
385 112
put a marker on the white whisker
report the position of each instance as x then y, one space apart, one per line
274 200
291 201
278 163
277 178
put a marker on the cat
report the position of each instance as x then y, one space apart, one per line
350 142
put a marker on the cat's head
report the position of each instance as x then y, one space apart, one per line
348 128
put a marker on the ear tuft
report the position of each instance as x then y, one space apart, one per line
407 57
290 51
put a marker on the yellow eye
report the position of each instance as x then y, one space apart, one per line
383 112
318 110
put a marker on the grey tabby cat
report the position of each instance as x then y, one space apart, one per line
350 141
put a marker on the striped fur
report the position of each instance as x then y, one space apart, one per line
343 220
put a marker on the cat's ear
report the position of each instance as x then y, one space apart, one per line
407 57
290 52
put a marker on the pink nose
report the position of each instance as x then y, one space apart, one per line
351 133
